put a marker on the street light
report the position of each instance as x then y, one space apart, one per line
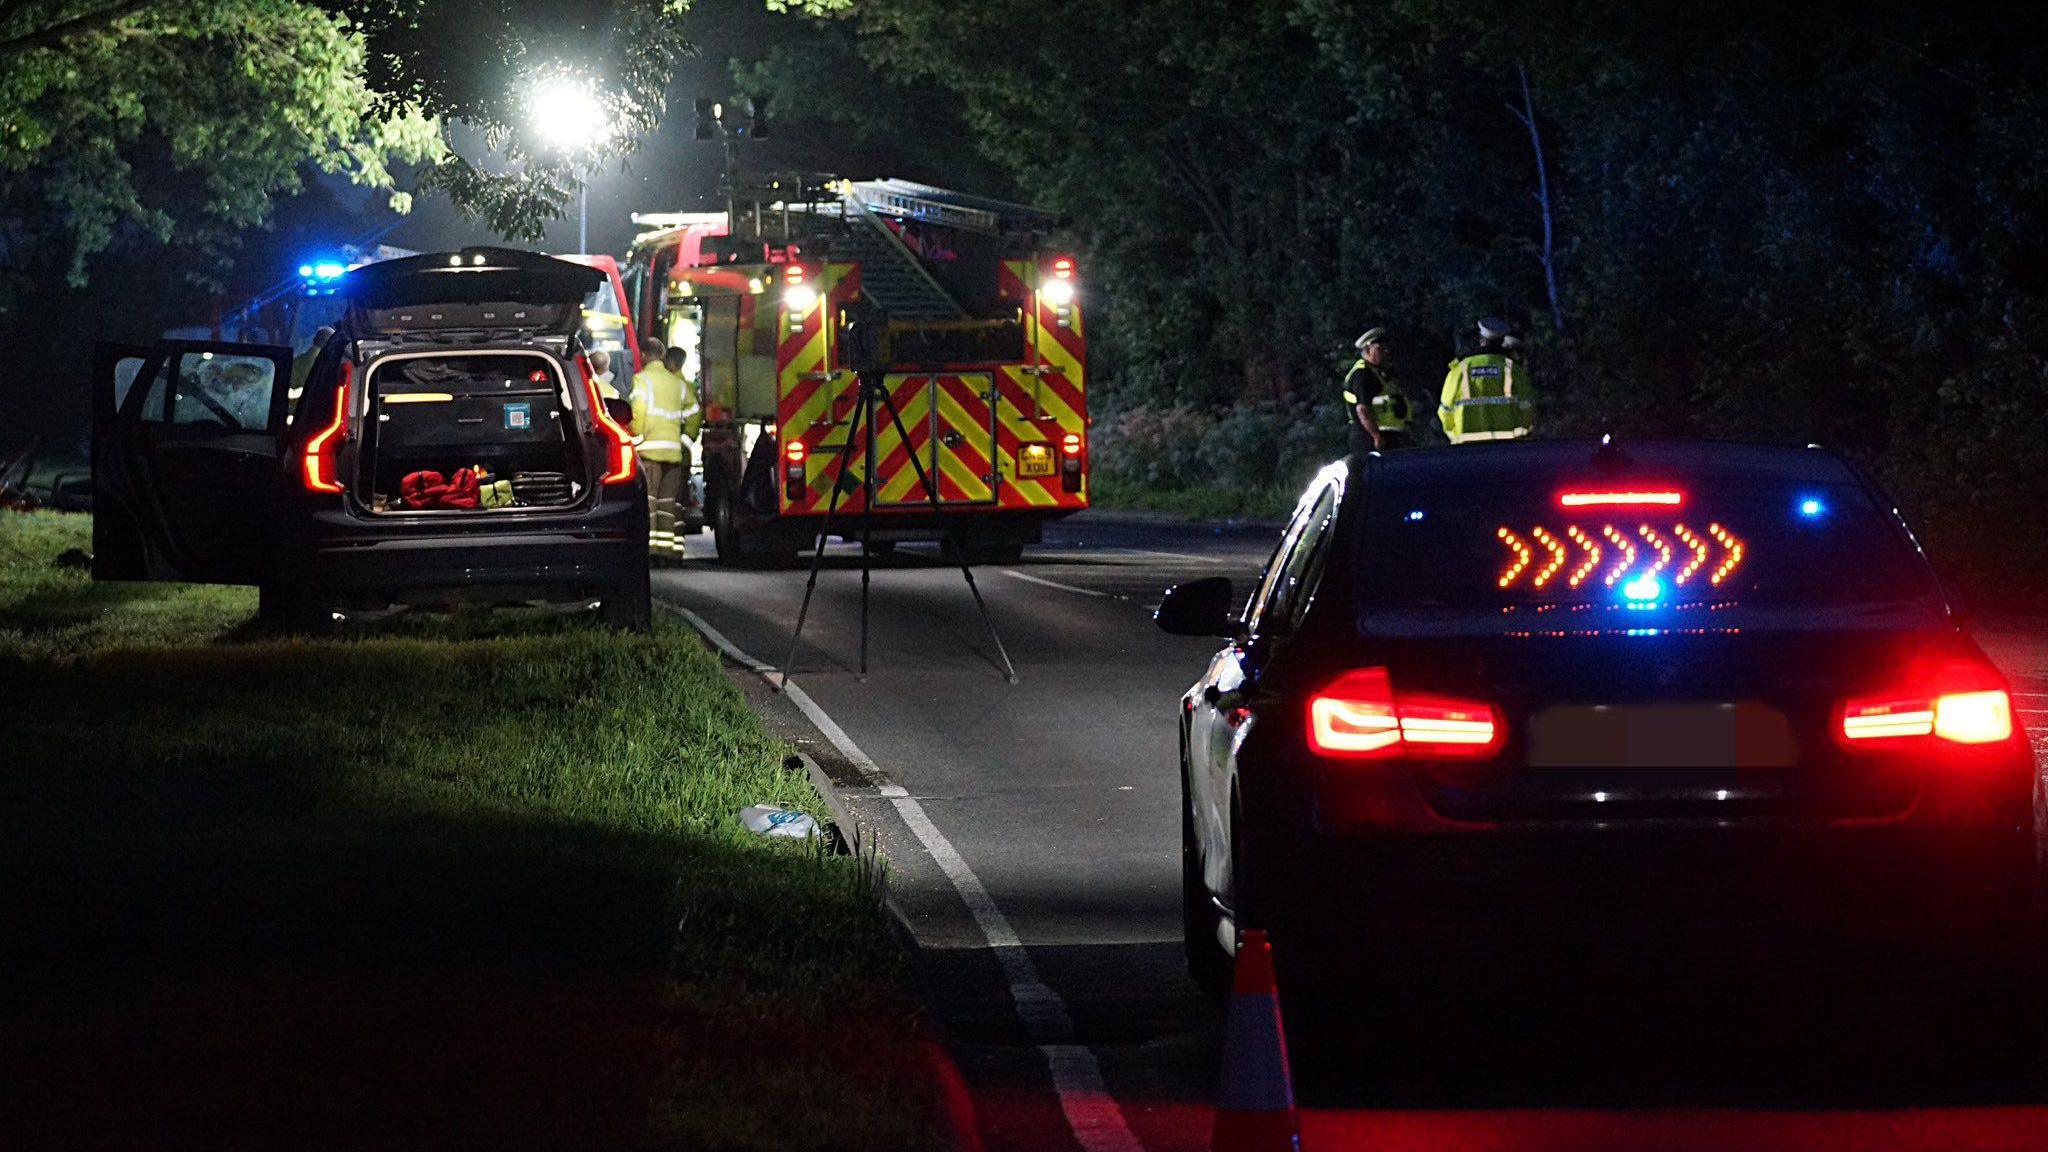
568 117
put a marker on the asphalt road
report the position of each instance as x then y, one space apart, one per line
1032 835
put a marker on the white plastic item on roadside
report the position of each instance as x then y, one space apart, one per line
773 820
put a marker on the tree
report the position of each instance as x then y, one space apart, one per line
177 123
1769 222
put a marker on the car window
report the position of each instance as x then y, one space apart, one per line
1275 569
210 388
125 371
1290 575
1294 582
1710 543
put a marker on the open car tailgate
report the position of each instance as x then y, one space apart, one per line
476 288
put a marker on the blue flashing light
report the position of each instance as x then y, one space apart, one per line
1414 514
1811 508
1643 591
322 273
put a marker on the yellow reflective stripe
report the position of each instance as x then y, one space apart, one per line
1035 491
901 485
951 413
967 481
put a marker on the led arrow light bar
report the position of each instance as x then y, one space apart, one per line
1638 562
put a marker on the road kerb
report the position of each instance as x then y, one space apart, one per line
1092 1114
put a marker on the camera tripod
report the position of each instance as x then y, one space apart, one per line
874 399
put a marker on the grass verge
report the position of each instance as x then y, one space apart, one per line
471 881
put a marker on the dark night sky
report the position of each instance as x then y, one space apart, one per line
670 172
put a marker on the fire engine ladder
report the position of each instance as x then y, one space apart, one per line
891 275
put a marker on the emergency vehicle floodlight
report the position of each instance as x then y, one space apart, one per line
567 114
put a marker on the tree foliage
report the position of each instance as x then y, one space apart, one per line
1770 222
178 123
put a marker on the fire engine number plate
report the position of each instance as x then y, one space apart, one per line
1034 460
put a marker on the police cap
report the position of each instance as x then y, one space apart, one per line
1370 337
1495 328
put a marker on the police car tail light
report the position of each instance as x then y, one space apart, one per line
620 464
1360 716
1960 704
318 465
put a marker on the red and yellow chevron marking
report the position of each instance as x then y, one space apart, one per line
896 480
1043 400
961 468
813 400
1040 401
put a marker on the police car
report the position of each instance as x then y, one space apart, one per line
1507 695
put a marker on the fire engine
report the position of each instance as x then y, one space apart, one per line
986 362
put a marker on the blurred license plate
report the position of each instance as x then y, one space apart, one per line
1034 460
1662 736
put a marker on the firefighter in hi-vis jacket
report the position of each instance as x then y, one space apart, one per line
667 418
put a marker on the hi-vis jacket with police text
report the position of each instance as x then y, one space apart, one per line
665 413
1485 397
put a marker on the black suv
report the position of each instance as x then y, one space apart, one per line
449 444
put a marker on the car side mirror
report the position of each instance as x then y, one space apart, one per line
621 411
1198 608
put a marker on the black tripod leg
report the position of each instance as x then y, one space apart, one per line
860 409
867 523
931 491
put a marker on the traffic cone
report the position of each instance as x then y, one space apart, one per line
1255 1101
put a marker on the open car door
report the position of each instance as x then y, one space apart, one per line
185 460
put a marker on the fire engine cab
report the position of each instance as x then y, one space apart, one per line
986 362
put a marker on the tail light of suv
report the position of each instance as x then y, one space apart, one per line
619 462
317 465
1360 716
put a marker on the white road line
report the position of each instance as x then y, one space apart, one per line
1181 557
1092 1113
1030 579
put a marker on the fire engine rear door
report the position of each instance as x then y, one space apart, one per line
185 460
951 423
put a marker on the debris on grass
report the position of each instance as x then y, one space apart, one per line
773 820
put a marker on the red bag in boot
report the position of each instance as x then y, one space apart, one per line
462 490
422 489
